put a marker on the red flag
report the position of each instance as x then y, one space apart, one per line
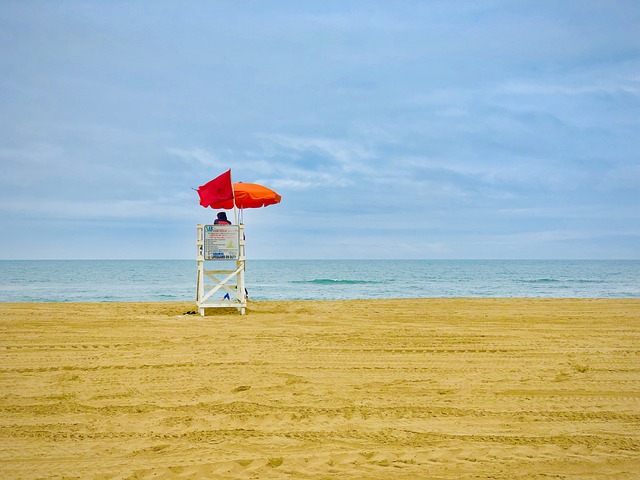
218 193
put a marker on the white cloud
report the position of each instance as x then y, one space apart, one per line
162 209
305 181
348 155
198 155
628 85
29 165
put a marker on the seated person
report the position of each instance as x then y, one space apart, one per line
222 219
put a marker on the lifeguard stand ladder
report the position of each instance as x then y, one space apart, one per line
221 244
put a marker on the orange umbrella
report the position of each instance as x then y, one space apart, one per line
249 195
252 195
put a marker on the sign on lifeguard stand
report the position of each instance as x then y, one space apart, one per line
220 245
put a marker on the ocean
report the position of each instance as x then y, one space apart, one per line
175 280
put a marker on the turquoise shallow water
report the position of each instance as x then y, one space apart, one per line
175 280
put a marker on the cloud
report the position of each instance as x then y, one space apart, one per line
199 155
624 176
623 85
161 209
346 154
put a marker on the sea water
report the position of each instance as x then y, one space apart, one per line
175 280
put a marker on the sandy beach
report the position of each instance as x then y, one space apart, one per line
380 389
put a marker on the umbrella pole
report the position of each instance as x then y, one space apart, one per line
241 292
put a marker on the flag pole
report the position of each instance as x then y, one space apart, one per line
235 209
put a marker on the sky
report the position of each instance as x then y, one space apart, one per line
392 129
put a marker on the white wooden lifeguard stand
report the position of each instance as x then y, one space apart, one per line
221 244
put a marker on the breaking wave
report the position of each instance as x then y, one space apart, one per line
330 281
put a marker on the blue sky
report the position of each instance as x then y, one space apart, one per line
435 129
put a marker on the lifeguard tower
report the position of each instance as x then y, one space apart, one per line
223 245
221 266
